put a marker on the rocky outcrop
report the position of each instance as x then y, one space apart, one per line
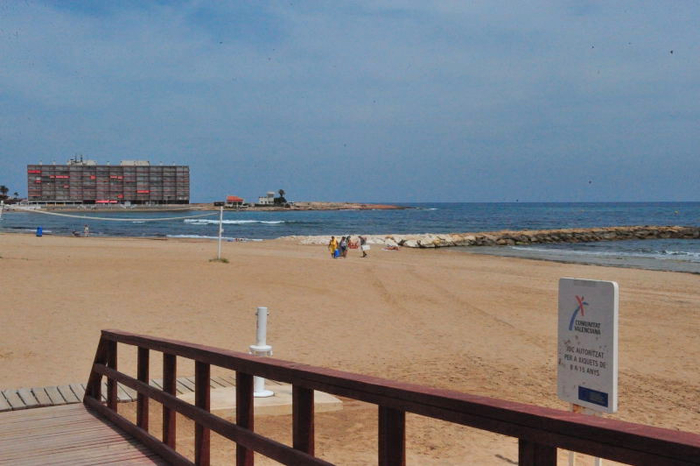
522 237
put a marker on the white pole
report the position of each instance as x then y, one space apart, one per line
580 409
572 457
221 229
261 348
261 327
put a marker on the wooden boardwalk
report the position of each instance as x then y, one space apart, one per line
69 434
24 398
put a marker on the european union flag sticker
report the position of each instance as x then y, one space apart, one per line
593 396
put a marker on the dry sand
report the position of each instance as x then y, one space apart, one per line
479 324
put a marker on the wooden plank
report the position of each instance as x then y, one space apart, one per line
68 434
41 396
181 388
168 386
131 394
27 397
4 405
122 394
158 383
245 417
13 399
303 419
141 399
111 360
78 389
202 400
217 382
535 454
229 380
94 384
68 394
392 437
187 382
55 396
169 454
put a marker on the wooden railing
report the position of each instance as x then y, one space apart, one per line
540 431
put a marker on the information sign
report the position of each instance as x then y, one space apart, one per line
587 343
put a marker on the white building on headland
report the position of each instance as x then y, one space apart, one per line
267 200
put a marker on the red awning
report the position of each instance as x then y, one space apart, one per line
231 199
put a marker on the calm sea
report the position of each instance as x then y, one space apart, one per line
420 218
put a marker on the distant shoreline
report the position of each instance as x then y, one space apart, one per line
564 257
296 206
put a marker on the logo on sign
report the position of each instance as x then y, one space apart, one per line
580 307
580 325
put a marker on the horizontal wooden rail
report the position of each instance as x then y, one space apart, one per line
270 448
540 430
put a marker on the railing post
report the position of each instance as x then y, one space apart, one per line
142 370
202 378
536 454
94 385
169 384
112 399
244 415
303 419
392 437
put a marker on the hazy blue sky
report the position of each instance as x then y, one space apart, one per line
364 100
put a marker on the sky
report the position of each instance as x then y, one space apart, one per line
364 101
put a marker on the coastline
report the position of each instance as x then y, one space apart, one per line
522 244
296 206
507 243
479 324
570 257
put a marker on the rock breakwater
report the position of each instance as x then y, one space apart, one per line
522 237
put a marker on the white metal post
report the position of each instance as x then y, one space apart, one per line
261 348
572 455
221 229
580 409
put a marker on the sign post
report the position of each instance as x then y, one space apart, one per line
587 345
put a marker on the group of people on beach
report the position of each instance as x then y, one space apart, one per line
340 248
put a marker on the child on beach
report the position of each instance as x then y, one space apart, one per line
344 246
364 246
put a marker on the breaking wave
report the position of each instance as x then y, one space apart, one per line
233 222
225 238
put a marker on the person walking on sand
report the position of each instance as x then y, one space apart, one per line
86 230
332 246
344 247
364 246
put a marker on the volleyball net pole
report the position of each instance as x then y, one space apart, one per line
221 229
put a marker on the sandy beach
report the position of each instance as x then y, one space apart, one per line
479 324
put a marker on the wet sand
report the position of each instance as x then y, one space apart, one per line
474 323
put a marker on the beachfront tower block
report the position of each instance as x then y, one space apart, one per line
86 182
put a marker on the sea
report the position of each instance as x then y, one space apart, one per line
668 254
